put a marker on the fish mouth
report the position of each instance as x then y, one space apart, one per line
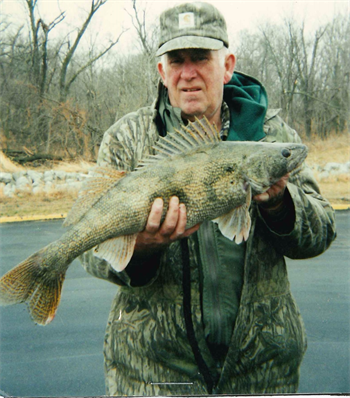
296 170
300 153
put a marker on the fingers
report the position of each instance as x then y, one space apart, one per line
175 214
156 233
191 230
273 197
172 217
275 191
155 216
175 221
180 227
263 197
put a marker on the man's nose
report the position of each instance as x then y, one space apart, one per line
188 71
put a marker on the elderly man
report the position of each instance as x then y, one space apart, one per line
196 313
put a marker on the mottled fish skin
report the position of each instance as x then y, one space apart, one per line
214 179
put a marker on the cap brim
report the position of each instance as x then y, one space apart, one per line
183 42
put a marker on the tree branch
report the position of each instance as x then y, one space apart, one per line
140 27
92 61
95 5
314 98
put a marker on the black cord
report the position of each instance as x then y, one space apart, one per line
203 368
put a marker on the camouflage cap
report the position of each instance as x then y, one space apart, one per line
192 25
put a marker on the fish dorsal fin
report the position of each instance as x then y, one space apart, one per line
197 134
100 180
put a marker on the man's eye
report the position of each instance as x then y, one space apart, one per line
200 58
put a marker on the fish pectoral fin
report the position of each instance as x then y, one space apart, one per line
117 251
236 223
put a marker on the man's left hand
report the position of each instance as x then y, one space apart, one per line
272 199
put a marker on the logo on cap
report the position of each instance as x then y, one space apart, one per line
186 20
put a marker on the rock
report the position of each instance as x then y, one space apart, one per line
48 187
18 174
60 175
38 189
9 190
24 184
35 182
331 166
344 168
49 175
61 187
38 183
74 186
323 175
72 176
35 175
5 177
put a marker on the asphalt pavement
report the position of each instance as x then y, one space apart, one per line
65 358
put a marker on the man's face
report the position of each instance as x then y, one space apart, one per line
195 79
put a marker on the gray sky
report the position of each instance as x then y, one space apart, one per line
112 17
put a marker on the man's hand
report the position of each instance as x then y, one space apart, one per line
272 199
157 235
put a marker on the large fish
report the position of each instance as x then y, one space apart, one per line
214 179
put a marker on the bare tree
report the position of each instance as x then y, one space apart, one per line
280 58
39 46
307 75
146 36
67 73
307 66
64 82
334 76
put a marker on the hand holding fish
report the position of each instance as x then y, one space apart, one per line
155 234
273 198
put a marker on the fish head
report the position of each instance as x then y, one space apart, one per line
267 163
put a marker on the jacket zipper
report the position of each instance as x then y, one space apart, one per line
210 264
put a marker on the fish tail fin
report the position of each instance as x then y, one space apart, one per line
36 285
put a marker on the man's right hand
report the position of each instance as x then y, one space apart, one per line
156 235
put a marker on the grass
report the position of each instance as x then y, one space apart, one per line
29 205
335 188
336 148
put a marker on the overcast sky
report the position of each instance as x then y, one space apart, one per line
113 17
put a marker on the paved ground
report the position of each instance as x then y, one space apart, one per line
65 357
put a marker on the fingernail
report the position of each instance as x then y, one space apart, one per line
175 200
182 208
158 202
264 196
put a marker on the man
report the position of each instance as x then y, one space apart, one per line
196 313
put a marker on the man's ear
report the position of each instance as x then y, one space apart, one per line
230 62
162 73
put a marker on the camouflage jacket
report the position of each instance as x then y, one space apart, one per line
151 345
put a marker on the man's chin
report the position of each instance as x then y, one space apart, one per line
192 115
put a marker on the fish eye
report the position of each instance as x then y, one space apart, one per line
286 153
